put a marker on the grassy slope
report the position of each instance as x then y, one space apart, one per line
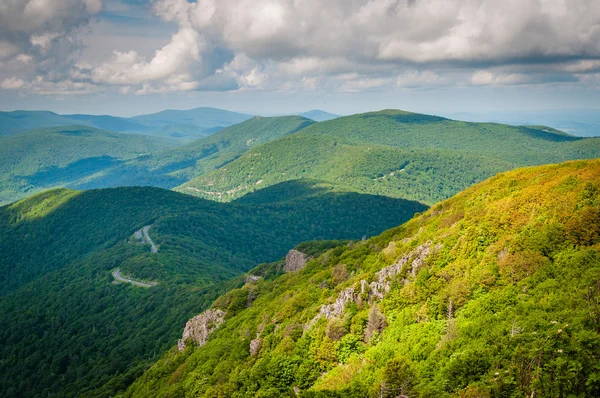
66 330
174 166
508 306
394 153
38 159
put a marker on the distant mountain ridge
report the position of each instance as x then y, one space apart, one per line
185 124
318 115
395 153
59 156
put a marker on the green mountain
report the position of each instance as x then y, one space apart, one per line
393 153
175 166
38 159
185 126
318 115
492 293
19 121
200 117
69 328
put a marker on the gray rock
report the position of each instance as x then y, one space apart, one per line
295 260
200 327
255 346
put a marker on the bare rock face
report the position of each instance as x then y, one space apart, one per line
200 327
377 289
255 346
253 279
336 309
295 260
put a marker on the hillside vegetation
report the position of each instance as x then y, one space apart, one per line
184 125
68 331
492 293
393 153
59 156
19 121
172 167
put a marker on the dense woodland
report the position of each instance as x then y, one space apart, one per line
498 294
67 330
507 305
393 153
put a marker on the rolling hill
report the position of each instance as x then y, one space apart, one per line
494 292
20 121
38 159
68 329
200 117
318 115
185 125
393 153
175 166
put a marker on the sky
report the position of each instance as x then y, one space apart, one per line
128 57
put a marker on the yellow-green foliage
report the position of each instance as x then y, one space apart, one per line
42 204
508 307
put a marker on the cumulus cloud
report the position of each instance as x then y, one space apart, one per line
12 83
311 44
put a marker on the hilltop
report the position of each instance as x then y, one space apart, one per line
39 159
174 166
493 292
394 153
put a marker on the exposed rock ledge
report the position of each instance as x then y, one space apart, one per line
200 327
377 289
295 261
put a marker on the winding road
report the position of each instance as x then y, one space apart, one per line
117 275
148 239
144 237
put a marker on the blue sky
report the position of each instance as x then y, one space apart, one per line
127 57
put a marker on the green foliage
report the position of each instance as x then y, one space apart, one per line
36 160
506 306
67 330
174 166
393 153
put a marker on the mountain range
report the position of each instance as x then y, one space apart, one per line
394 153
210 253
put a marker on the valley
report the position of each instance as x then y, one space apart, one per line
139 233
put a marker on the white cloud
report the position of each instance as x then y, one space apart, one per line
12 83
311 44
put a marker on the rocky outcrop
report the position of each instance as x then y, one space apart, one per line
415 259
377 289
252 278
255 346
200 327
295 260
337 308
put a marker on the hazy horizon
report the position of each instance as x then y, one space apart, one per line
130 57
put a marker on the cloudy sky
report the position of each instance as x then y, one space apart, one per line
274 56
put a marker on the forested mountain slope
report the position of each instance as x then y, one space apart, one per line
67 330
394 153
492 293
19 121
172 167
38 159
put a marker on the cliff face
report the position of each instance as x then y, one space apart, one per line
295 260
200 327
